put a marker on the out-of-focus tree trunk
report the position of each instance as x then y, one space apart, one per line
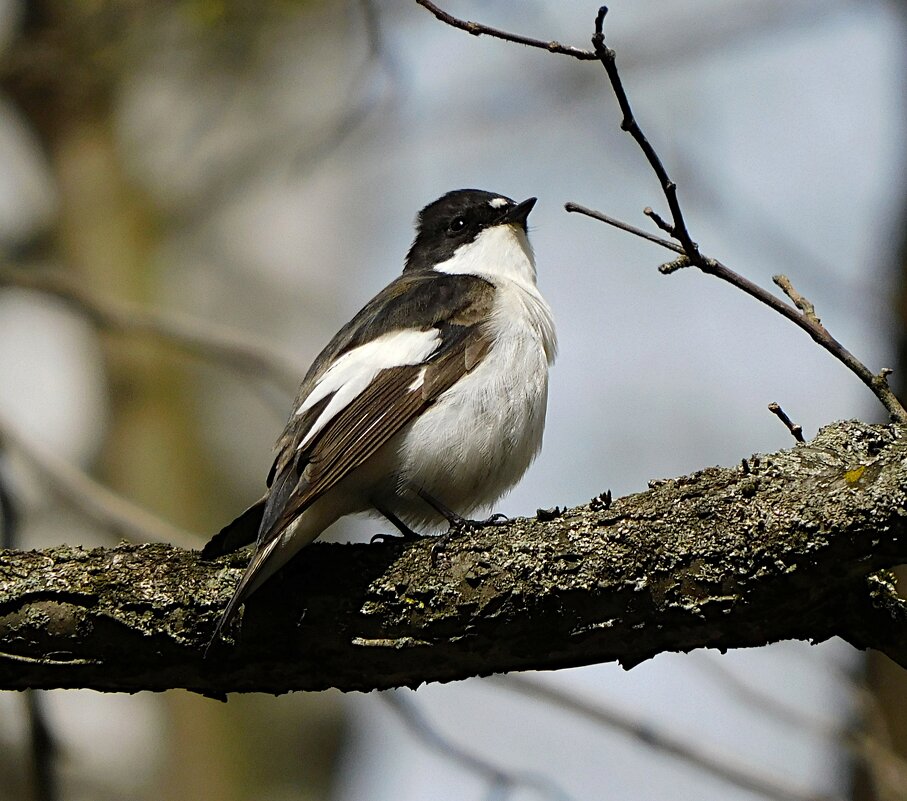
62 74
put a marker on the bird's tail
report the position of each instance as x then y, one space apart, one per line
235 535
241 532
274 547
251 578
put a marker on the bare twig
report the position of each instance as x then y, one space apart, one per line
477 29
110 510
607 57
235 349
632 229
677 228
795 429
806 308
722 767
501 781
802 314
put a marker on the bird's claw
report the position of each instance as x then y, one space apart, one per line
458 527
462 524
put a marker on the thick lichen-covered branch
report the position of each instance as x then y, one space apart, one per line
788 545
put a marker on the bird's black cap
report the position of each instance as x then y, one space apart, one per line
456 219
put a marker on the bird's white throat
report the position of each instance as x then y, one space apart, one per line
502 251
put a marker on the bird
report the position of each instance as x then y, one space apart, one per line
429 404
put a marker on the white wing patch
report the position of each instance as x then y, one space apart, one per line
419 380
347 377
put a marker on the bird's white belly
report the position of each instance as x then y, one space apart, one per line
478 438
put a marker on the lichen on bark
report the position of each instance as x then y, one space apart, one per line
782 546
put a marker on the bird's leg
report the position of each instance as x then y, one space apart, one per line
406 533
455 521
457 524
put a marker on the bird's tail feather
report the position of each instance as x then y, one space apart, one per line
241 532
249 581
274 549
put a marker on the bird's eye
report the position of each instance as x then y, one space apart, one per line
457 224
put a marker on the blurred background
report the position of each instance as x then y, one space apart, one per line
195 195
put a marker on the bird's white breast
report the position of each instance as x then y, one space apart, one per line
478 438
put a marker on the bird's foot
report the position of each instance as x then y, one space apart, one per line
406 533
473 525
458 526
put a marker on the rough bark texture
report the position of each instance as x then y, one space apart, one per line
783 546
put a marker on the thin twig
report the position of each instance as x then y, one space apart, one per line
632 229
93 499
878 383
608 59
235 349
477 29
677 228
795 429
500 780
769 236
722 767
806 308
802 314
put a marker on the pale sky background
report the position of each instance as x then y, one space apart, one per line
785 138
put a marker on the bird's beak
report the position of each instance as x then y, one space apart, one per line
519 213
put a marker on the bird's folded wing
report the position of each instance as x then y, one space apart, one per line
392 398
301 475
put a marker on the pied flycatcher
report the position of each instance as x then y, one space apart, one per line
428 403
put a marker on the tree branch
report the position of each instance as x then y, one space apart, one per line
217 343
478 29
802 313
724 558
681 747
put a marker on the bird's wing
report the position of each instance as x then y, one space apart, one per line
376 383
392 398
364 387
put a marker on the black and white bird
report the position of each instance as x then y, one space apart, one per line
430 403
